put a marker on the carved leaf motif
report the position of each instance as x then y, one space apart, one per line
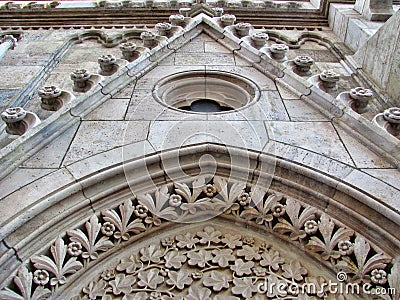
209 235
199 258
271 259
264 207
217 280
198 293
23 281
364 265
122 223
152 254
179 279
129 264
174 259
186 241
95 289
158 206
294 270
242 267
228 198
274 291
122 284
222 257
297 220
327 246
244 287
89 242
57 266
232 241
249 252
150 278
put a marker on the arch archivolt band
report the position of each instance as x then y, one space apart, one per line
115 243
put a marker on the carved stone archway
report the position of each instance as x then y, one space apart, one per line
303 229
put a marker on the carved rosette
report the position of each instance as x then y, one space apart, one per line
176 20
148 38
18 120
259 39
279 51
206 263
10 39
163 28
303 64
228 19
242 29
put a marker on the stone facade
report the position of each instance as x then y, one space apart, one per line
201 158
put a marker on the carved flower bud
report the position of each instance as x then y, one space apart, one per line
163 28
175 200
243 29
168 242
10 39
80 78
227 19
392 115
209 190
360 93
303 63
259 38
108 274
49 92
244 199
259 271
310 227
345 247
128 49
148 38
74 249
278 210
379 276
218 11
197 275
13 115
247 240
176 20
41 277
279 51
329 77
107 63
108 229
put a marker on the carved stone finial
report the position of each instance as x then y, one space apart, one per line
279 51
128 50
392 116
18 120
148 38
303 64
329 78
176 20
243 29
361 97
218 11
49 96
107 64
163 28
228 19
80 78
259 38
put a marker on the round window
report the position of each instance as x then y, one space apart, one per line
206 92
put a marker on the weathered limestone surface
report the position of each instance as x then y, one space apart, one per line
375 10
379 58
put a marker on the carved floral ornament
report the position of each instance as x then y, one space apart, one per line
207 263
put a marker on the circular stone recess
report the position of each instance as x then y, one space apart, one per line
206 92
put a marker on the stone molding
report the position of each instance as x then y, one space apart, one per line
302 225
